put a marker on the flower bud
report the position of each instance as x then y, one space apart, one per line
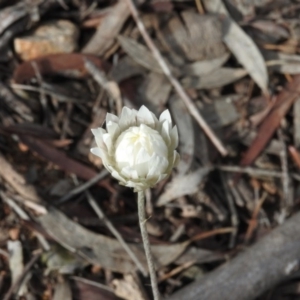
137 148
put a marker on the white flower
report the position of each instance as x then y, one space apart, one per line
137 148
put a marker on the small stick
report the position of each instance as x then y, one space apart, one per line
285 172
83 187
114 231
142 219
233 213
250 171
177 86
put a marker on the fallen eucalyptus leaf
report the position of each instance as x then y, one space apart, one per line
215 79
183 185
102 250
184 123
241 45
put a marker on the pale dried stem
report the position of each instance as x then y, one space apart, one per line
176 84
144 233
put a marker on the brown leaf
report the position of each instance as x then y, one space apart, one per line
58 157
87 289
283 103
63 64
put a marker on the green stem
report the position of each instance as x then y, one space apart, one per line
142 219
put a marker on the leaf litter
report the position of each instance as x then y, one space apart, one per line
234 63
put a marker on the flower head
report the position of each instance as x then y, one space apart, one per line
137 148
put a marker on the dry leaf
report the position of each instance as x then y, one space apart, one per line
184 123
283 103
282 62
108 29
102 250
204 67
16 266
85 289
128 288
62 290
140 54
154 92
215 79
183 185
194 36
241 45
220 113
71 64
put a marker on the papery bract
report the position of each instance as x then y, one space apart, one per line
137 148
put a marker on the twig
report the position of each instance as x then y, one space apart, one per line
177 86
142 220
233 214
43 98
254 271
114 231
200 7
19 280
251 171
253 221
207 234
285 171
177 270
83 187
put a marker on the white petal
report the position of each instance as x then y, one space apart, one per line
113 128
142 156
98 133
108 141
116 175
145 116
137 186
158 165
127 118
165 115
129 173
97 151
142 169
111 118
165 132
174 137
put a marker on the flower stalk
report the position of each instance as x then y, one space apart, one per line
146 243
139 150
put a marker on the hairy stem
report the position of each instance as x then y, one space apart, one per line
142 220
